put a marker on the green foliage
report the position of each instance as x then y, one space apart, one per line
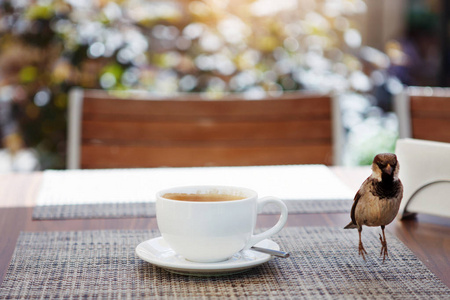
382 142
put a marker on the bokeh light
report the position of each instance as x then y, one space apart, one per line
255 47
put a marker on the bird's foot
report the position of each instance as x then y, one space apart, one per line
362 251
384 250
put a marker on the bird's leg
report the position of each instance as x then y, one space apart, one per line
361 249
384 250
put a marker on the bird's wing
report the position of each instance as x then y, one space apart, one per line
355 202
356 199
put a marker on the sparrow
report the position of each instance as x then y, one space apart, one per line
378 199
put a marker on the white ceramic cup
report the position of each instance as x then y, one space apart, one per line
213 231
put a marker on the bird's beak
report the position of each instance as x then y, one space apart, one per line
388 169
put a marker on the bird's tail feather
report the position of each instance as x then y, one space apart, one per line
351 225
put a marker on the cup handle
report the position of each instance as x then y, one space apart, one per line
254 239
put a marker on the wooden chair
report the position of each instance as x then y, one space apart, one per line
134 129
424 113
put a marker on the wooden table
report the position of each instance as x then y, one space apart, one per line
427 236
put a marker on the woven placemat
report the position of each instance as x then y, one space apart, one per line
133 210
324 263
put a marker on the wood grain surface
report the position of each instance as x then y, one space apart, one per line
430 117
185 131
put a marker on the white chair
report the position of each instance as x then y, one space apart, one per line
425 174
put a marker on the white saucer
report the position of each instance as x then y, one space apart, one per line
156 251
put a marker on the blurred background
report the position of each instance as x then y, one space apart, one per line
362 51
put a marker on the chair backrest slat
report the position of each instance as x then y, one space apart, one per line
176 109
116 156
206 131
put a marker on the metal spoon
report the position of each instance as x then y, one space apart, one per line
271 252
